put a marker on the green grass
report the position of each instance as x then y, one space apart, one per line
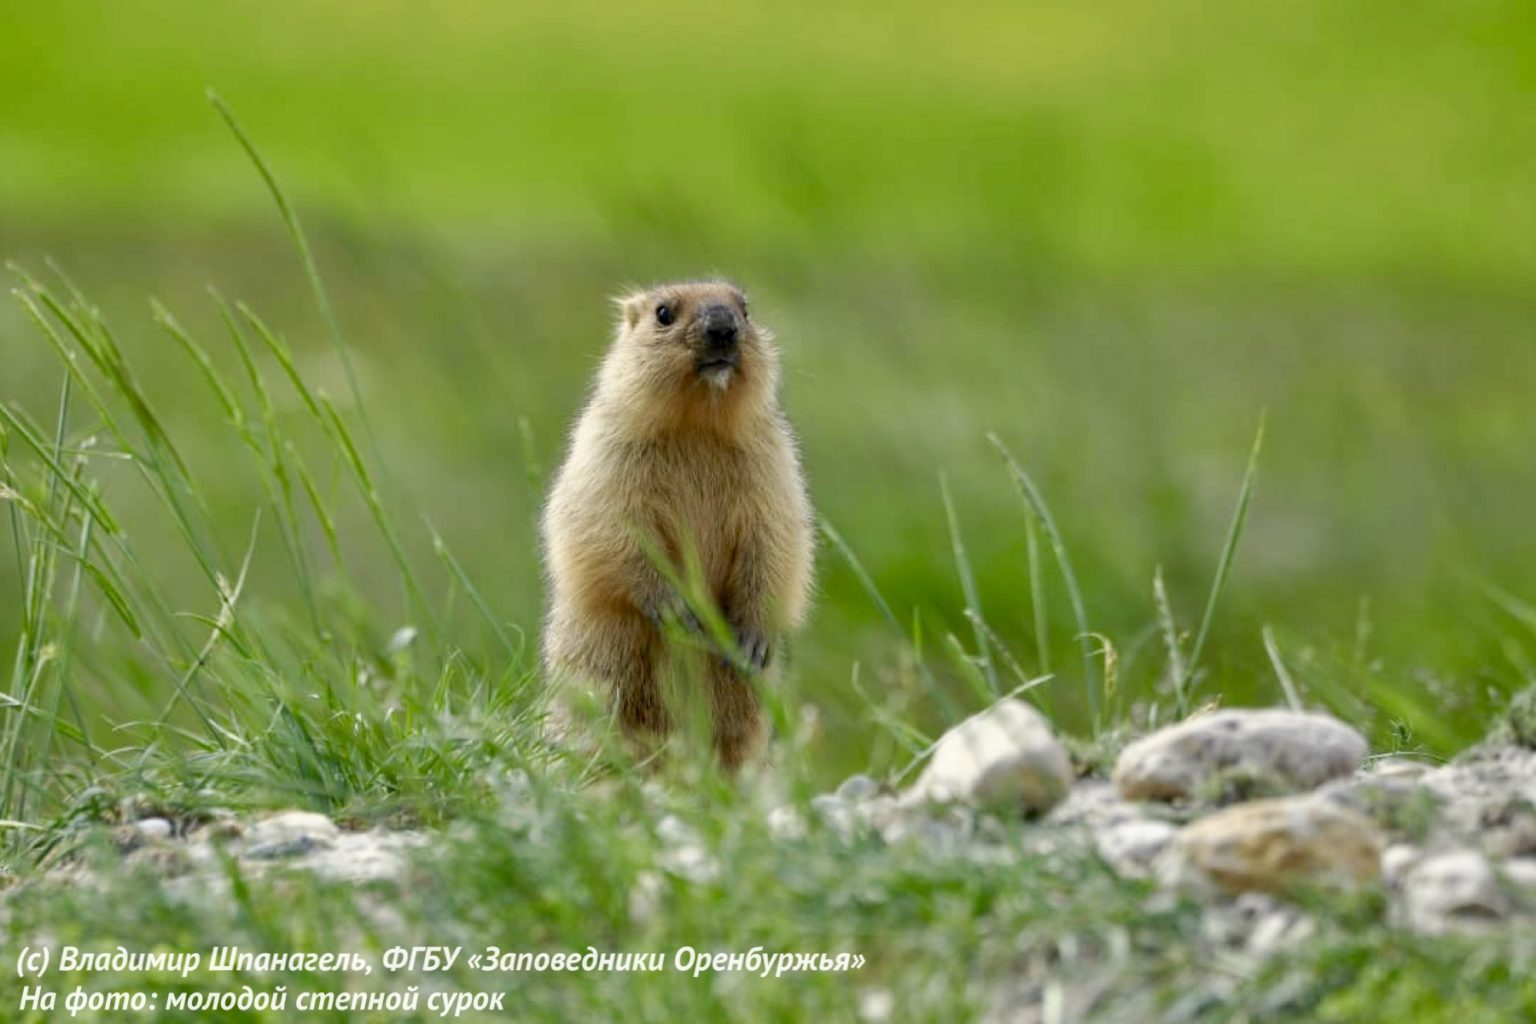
946 936
270 537
1397 473
1394 476
292 690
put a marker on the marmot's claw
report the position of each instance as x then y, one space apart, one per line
755 647
676 610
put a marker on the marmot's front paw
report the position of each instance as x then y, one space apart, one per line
675 609
754 647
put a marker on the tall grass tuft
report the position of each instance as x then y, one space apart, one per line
1038 511
231 700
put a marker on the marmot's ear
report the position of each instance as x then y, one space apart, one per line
631 305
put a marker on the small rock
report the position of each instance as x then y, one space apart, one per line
144 832
944 832
1509 827
1522 718
683 853
1255 924
785 823
834 813
1488 799
291 834
1273 749
165 860
857 788
1271 845
1396 860
154 830
1397 767
879 811
1005 756
876 1005
1280 930
1132 847
1520 872
645 896
218 829
365 857
1398 803
1453 891
1094 804
827 803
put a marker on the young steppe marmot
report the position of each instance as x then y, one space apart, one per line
681 454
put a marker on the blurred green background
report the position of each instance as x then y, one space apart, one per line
1112 233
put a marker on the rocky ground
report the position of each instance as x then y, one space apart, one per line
1246 809
1238 803
1254 813
1241 803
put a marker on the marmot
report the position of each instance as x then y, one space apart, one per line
681 455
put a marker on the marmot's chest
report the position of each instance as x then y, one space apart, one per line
702 497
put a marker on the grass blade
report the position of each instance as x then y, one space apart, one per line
311 269
1171 644
968 588
513 648
1224 565
1288 684
1037 599
913 639
1035 503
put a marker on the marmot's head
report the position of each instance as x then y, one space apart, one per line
696 339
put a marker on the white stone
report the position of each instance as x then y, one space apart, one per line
1255 924
1488 799
1132 847
290 834
1396 860
364 857
645 897
1520 872
834 813
857 788
786 824
879 811
1397 768
153 829
828 803
683 853
1005 756
1453 891
1280 929
1282 750
876 1005
942 831
1094 804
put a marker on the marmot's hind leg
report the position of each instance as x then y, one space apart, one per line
618 653
737 711
638 702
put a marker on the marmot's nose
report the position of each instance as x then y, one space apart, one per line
720 327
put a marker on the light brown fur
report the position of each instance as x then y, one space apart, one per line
677 455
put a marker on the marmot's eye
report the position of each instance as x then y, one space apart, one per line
664 315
